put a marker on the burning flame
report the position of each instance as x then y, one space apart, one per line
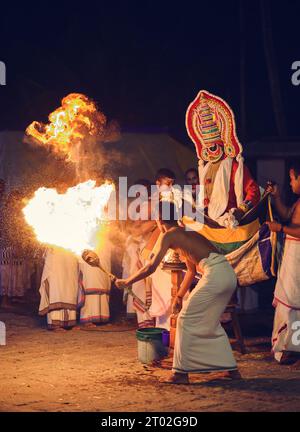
77 119
71 220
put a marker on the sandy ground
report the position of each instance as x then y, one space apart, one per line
98 370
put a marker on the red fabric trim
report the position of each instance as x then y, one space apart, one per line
145 324
284 304
138 306
96 291
293 239
94 317
279 331
250 187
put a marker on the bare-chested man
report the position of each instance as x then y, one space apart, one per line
201 343
285 337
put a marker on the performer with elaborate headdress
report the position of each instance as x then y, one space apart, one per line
229 189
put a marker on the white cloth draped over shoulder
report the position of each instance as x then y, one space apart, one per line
128 266
220 193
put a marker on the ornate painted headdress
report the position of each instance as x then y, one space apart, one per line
210 124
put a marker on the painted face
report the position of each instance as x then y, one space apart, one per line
295 182
212 154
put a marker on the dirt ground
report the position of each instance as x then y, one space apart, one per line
98 370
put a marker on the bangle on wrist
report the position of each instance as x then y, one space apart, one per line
244 207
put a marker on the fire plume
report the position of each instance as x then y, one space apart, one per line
71 220
77 119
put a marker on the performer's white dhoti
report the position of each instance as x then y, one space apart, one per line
143 289
161 298
130 254
201 344
59 288
61 318
287 300
94 290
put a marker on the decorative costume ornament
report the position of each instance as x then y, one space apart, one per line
210 124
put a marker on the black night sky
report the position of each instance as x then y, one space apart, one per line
144 62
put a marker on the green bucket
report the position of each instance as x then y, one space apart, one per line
150 344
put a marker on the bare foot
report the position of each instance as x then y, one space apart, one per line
89 325
234 375
58 329
176 378
75 328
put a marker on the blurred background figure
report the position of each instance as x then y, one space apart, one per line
17 249
94 287
59 289
192 179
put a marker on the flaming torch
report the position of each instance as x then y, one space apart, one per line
93 260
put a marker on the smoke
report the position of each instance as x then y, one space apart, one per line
76 133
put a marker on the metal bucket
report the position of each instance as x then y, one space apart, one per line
150 344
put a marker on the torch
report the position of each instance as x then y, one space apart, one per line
91 258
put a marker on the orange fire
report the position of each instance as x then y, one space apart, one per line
71 220
77 119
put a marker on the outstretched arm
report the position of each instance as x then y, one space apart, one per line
149 268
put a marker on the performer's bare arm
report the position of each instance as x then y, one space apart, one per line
149 268
293 229
283 211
